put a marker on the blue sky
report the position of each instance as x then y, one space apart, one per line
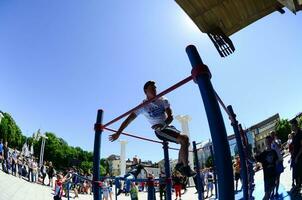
60 61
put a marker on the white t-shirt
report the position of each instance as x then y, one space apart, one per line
155 111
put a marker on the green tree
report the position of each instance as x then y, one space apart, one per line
283 128
56 149
104 167
86 166
300 122
209 162
10 132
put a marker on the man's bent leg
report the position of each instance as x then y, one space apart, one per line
183 156
184 149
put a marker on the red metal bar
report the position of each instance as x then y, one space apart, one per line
224 107
141 138
134 136
173 87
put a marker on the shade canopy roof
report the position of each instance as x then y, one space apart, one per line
228 16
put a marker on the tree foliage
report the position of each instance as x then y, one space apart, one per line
10 132
300 122
283 128
56 149
209 162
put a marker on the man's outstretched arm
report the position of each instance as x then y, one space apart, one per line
125 123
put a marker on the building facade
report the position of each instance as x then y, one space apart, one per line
259 131
114 165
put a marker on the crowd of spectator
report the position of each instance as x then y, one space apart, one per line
27 168
12 162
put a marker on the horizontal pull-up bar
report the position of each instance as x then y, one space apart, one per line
142 138
225 108
173 87
134 136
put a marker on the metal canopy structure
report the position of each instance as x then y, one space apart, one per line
222 18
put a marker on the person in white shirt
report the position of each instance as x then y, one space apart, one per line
159 114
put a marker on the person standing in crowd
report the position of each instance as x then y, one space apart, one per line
5 157
209 177
1 152
9 164
289 142
105 190
30 169
34 170
237 176
20 163
276 145
290 147
14 162
162 186
297 154
43 172
268 158
50 174
201 187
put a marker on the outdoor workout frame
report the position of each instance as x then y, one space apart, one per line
201 75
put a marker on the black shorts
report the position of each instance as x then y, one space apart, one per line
170 133
237 176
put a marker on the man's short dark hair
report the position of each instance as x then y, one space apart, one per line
148 83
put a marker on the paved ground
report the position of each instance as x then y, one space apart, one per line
13 188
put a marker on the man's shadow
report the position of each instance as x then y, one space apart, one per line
294 195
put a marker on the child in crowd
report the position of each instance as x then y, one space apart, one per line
59 187
133 192
177 183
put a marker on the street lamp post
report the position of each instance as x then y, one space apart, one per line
37 137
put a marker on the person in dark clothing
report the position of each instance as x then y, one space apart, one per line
297 154
162 186
14 157
135 171
5 157
201 187
43 172
268 158
50 174
1 152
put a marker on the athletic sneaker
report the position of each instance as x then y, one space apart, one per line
179 166
187 171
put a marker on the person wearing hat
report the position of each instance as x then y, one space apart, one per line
159 114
